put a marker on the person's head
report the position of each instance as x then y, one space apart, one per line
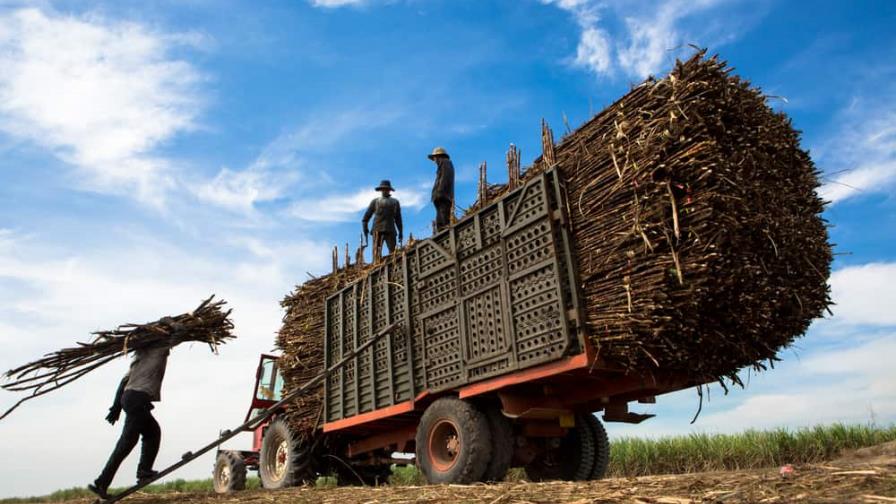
438 153
385 188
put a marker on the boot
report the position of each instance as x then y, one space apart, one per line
146 476
101 491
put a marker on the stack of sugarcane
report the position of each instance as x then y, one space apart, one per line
208 323
301 340
698 230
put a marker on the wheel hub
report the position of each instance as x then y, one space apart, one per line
225 475
280 460
445 445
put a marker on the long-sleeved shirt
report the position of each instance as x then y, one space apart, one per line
148 370
443 188
388 215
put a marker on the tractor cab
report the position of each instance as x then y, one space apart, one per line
268 385
231 465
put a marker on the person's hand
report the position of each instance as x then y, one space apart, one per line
113 415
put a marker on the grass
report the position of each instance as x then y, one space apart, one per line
638 457
747 450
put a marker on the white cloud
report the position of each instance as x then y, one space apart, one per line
594 50
241 190
863 149
350 207
331 4
865 294
645 44
861 181
289 159
845 385
102 95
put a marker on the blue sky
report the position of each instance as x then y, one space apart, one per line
152 155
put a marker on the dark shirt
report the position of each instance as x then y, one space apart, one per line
147 371
443 188
388 215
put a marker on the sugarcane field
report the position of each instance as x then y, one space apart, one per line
407 251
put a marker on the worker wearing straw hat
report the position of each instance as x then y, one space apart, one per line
443 188
387 223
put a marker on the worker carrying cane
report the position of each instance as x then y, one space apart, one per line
443 187
140 387
387 221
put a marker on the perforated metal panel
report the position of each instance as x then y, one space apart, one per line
492 295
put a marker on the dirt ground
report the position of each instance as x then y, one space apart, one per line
867 475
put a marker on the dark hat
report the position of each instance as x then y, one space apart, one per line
385 184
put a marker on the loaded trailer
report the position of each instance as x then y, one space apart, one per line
481 362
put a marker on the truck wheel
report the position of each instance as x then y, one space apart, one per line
282 462
572 459
601 447
453 443
502 445
230 472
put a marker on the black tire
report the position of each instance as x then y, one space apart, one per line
229 474
502 445
283 461
601 447
453 443
573 460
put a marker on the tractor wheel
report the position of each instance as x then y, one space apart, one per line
453 443
283 461
230 472
572 459
502 445
601 447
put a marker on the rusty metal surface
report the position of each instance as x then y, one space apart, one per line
491 295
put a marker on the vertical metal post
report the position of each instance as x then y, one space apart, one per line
389 319
371 307
327 358
342 351
409 323
356 326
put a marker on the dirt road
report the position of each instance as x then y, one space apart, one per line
867 475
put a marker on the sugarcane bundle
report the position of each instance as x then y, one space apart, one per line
208 323
697 226
301 340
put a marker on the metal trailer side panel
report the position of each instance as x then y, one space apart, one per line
491 295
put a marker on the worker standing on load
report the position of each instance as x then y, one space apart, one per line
443 188
140 387
387 223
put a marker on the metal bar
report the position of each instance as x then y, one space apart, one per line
389 318
409 332
460 311
506 308
516 208
371 315
420 319
342 350
327 359
356 326
558 287
251 423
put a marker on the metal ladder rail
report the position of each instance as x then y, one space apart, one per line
253 422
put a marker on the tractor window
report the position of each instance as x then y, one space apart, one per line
270 384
